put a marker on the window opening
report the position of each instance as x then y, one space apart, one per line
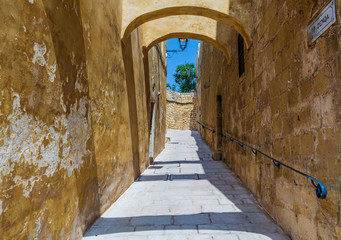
241 55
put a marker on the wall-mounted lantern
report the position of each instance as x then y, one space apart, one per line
183 44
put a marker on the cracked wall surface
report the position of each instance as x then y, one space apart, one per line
65 142
46 124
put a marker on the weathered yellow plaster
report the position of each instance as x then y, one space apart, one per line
65 142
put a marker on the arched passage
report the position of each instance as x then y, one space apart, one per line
132 9
195 27
154 17
187 10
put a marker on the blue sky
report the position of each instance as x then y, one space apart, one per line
187 56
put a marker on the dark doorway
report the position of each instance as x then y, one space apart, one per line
152 132
219 123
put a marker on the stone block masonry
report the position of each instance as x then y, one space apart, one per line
287 104
181 110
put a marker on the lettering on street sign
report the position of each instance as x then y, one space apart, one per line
322 22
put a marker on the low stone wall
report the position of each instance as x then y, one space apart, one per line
181 113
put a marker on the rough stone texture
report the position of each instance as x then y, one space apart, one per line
181 110
65 130
168 201
287 104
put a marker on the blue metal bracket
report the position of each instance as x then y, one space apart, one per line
321 190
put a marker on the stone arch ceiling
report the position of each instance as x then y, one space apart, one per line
234 13
194 27
132 9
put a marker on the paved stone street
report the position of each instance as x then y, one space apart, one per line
184 194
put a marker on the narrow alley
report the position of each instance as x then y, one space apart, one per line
184 194
251 90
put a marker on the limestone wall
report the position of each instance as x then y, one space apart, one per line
181 110
287 104
158 83
66 132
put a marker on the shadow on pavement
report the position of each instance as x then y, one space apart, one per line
227 209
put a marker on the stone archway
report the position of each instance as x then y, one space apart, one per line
146 23
132 9
136 13
194 27
217 16
204 38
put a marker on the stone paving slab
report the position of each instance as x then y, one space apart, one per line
186 195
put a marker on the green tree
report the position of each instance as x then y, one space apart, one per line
169 87
185 77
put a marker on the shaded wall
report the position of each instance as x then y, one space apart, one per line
158 85
181 111
287 104
66 149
